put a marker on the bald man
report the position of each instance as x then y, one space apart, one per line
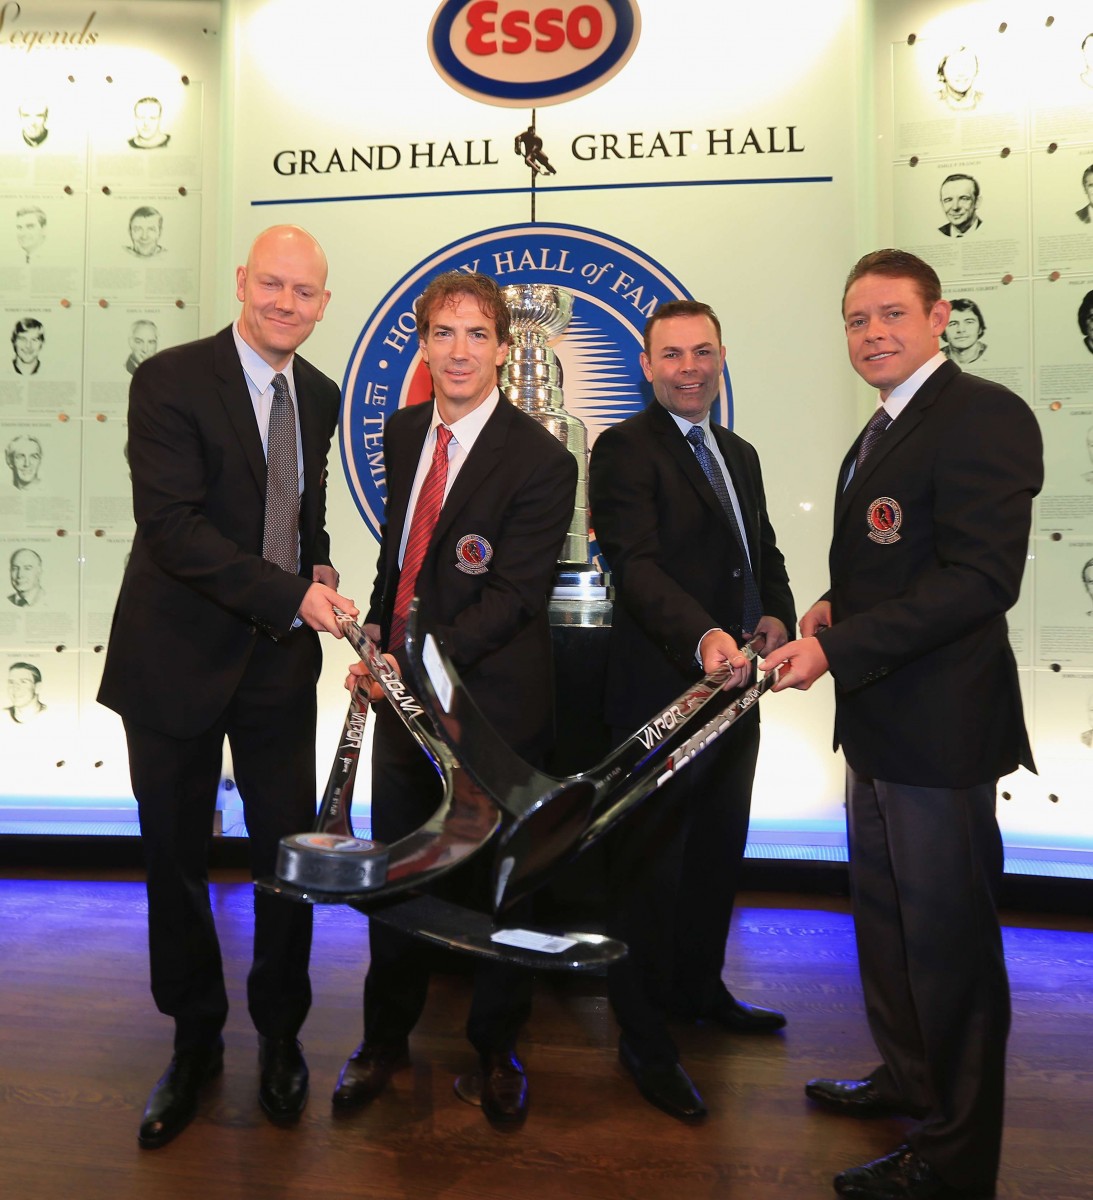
216 635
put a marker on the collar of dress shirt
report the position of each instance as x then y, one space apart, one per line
258 372
684 426
465 431
903 393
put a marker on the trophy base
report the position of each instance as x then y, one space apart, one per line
581 596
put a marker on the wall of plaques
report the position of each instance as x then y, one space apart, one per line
107 139
965 133
991 178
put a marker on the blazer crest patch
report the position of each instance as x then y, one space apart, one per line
884 519
473 554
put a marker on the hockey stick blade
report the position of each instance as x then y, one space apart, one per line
535 843
331 862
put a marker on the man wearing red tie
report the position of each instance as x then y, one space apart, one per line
479 500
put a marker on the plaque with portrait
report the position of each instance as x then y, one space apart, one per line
148 135
956 96
988 332
1064 603
1060 72
1062 733
43 127
39 594
107 485
1062 312
1062 208
968 218
40 373
144 247
40 480
105 559
1066 503
101 756
42 247
119 337
39 706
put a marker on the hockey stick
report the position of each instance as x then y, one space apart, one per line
538 840
331 859
331 865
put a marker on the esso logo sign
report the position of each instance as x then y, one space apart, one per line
525 53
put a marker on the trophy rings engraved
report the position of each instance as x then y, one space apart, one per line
531 378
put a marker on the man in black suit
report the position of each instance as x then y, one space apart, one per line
504 488
228 581
688 595
932 519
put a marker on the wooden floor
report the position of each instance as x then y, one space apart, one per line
82 1045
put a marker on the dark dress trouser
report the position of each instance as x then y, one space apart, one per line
406 790
925 864
673 871
270 726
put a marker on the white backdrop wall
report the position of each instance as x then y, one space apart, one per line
766 234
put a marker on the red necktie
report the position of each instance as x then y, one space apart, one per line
426 512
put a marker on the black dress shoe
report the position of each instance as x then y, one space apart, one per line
366 1073
173 1102
737 1016
669 1087
282 1088
499 1087
852 1097
901 1175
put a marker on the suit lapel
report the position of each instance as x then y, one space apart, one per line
485 454
734 461
235 396
899 431
676 445
313 443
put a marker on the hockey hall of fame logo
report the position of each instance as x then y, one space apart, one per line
615 288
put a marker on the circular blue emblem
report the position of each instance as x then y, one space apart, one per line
615 287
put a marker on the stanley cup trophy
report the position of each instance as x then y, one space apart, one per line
531 379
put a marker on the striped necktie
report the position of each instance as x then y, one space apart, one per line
753 605
426 511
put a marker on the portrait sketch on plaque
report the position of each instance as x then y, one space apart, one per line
968 218
1062 312
1066 503
149 135
144 248
118 338
40 479
42 247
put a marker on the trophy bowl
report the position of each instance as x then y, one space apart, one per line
538 312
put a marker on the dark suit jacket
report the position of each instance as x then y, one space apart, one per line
1083 214
516 491
197 591
674 559
925 681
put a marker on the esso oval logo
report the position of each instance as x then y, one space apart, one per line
524 53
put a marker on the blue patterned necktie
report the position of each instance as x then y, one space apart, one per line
753 606
281 532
